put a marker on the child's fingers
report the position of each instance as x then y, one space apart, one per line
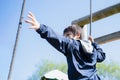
29 21
31 14
31 17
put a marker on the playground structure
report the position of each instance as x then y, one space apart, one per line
109 11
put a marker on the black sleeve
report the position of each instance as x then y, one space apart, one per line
58 42
100 54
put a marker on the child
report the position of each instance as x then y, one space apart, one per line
81 64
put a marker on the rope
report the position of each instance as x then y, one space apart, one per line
16 42
90 17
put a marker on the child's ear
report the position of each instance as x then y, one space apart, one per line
78 35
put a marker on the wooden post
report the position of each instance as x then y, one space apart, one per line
108 38
98 15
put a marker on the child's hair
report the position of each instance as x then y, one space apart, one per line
72 30
69 31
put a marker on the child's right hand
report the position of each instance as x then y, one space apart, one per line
35 24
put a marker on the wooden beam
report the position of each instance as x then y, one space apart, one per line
98 15
108 38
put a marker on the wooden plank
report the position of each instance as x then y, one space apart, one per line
98 15
108 38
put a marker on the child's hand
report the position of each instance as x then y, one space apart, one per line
35 24
91 39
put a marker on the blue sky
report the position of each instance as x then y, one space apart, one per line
58 14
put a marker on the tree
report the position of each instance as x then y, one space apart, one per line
107 71
46 67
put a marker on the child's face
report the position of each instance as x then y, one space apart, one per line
69 35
